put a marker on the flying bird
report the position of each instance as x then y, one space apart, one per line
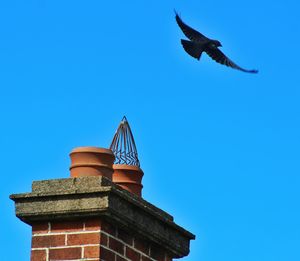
199 43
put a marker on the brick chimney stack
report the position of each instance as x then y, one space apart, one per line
89 217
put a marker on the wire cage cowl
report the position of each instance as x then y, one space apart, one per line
123 145
127 171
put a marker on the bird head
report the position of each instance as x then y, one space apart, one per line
217 43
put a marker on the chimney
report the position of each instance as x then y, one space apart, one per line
98 213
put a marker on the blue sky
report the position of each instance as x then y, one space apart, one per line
219 148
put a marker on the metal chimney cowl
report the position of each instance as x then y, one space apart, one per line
127 171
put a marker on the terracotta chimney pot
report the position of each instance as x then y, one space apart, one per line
129 177
91 161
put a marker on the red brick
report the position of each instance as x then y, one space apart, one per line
132 254
66 226
141 245
125 237
93 224
83 239
157 253
145 258
108 228
40 228
116 246
65 253
38 255
106 255
48 241
91 251
103 240
119 258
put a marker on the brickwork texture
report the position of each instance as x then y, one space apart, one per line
90 240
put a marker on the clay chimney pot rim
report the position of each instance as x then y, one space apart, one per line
91 149
89 165
127 167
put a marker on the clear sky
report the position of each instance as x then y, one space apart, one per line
219 147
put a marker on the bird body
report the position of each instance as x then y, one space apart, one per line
198 43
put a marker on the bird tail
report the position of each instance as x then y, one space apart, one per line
193 49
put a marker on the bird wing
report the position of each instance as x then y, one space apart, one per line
189 32
193 49
217 55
